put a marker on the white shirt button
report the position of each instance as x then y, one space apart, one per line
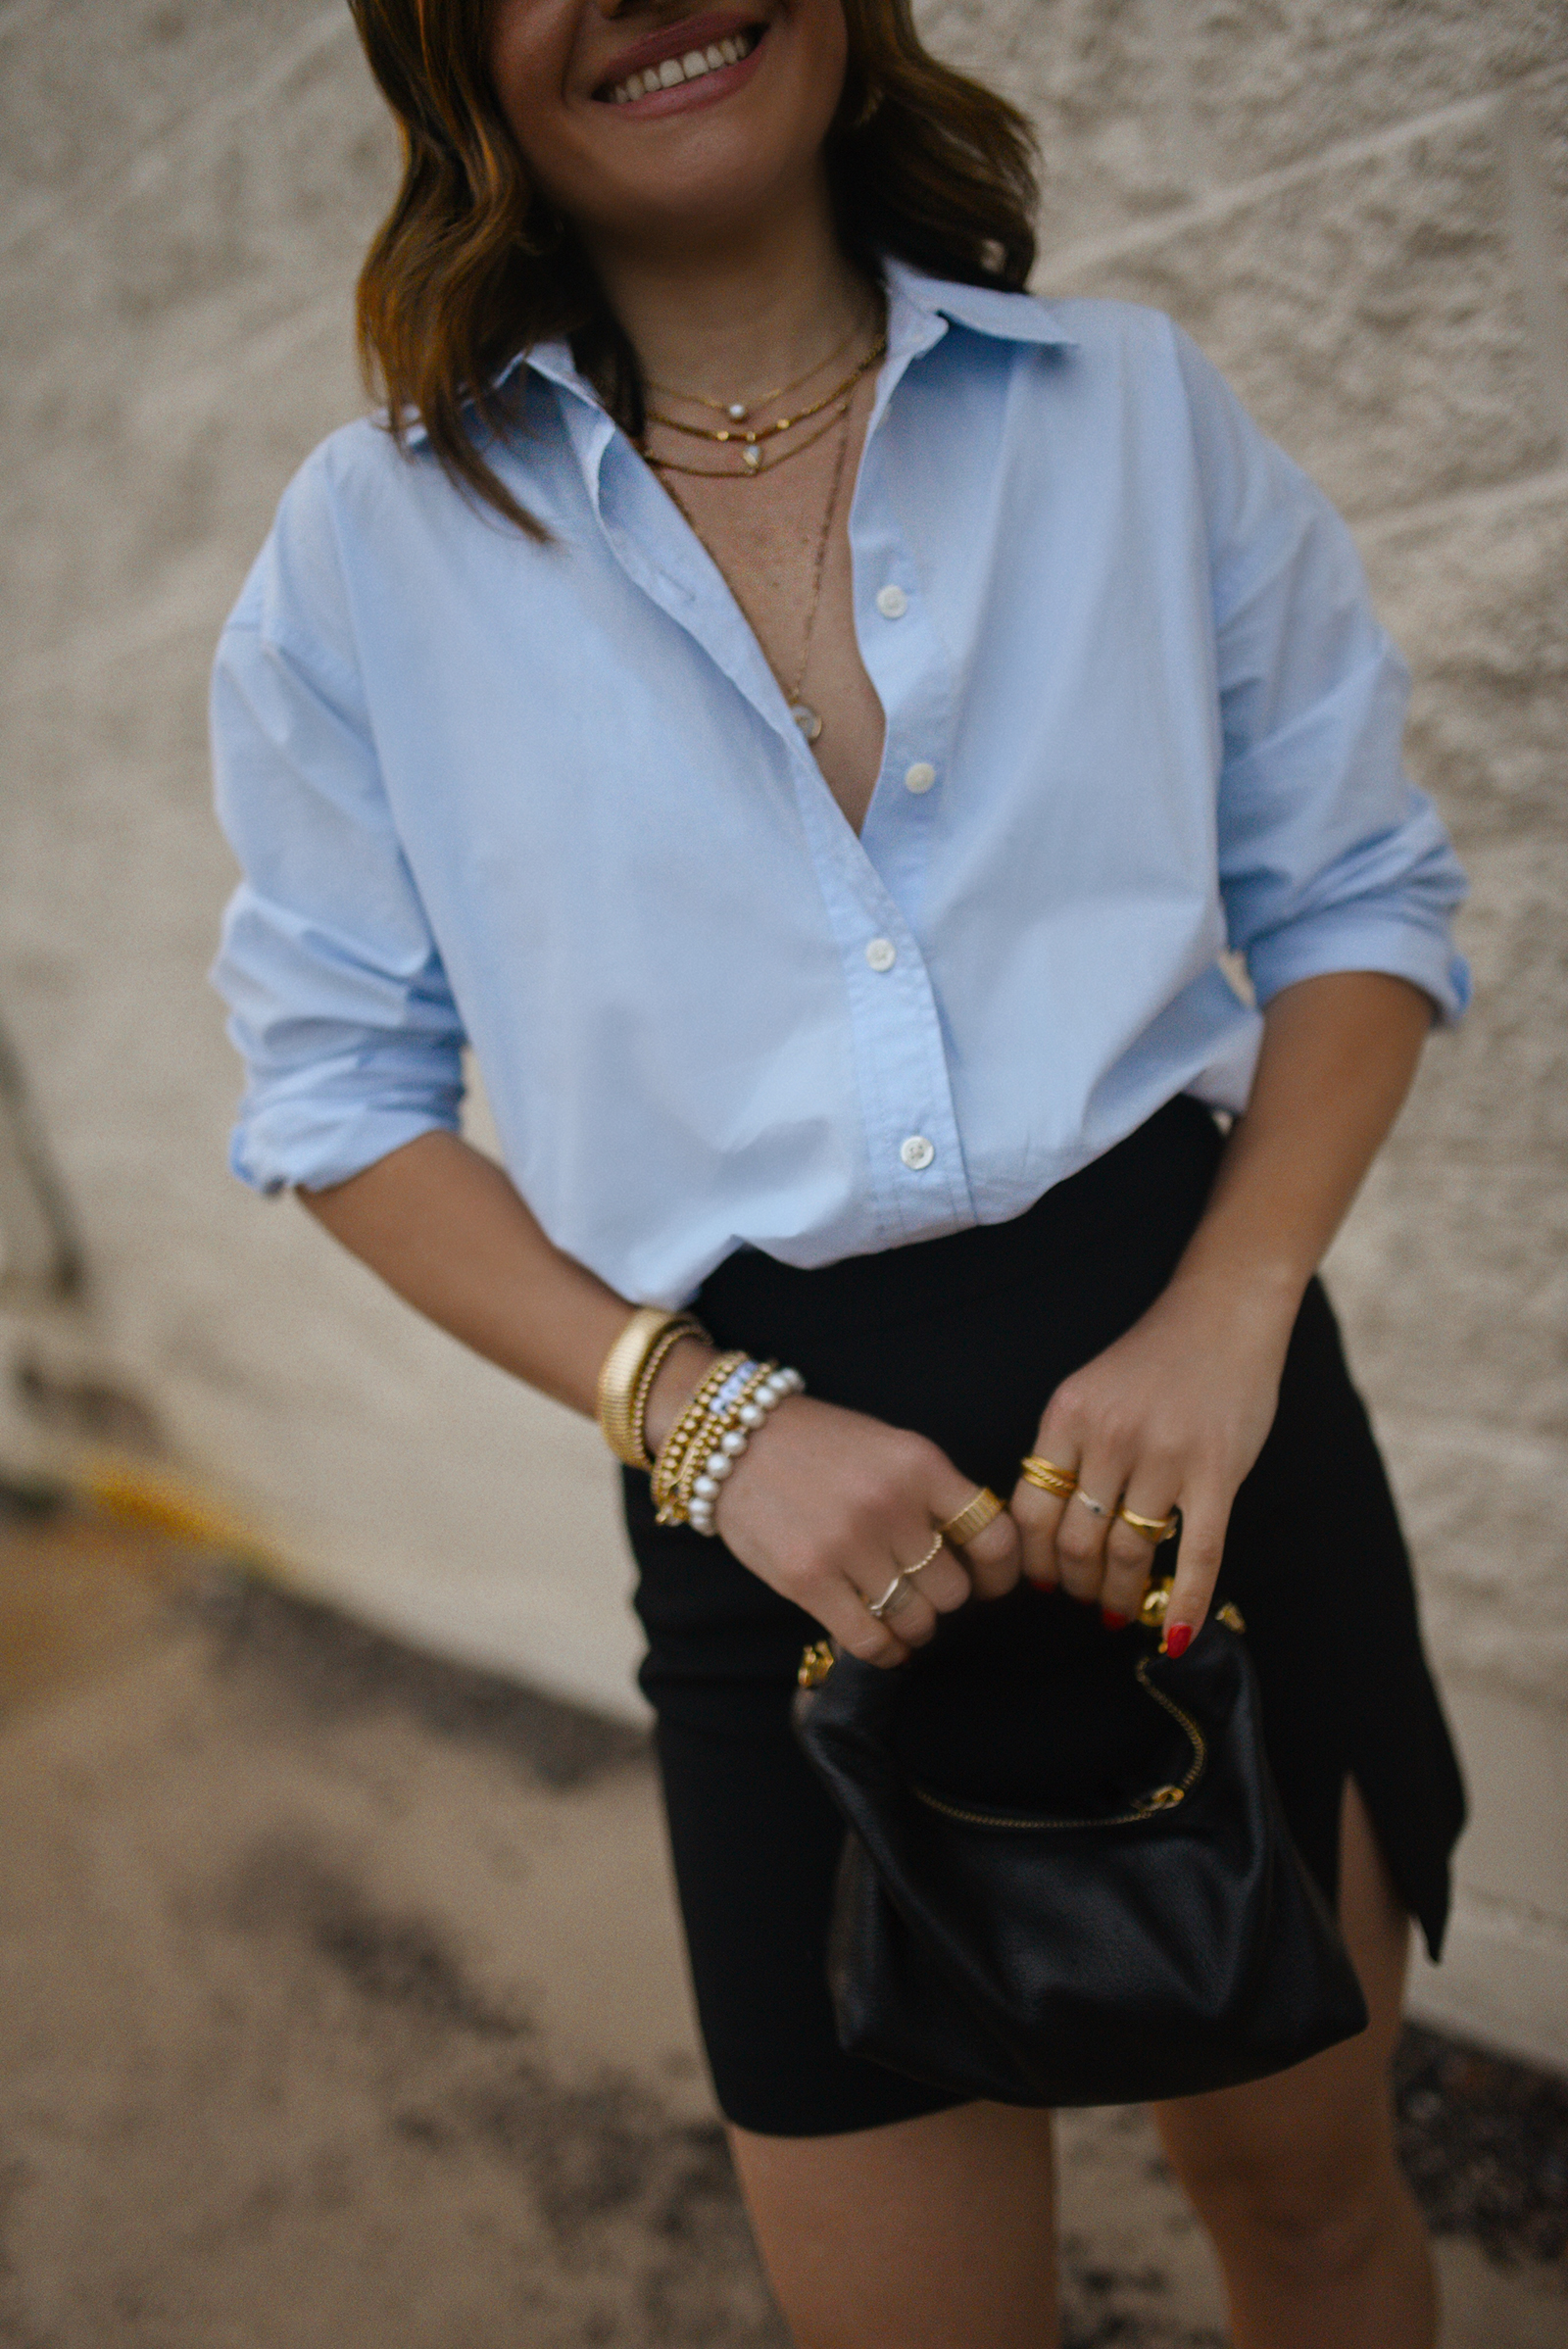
892 603
916 1153
920 776
881 954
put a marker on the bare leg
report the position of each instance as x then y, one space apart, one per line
926 2234
1295 2177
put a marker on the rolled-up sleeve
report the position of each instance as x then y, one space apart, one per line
338 1002
1330 859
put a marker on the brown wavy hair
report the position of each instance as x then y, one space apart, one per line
471 265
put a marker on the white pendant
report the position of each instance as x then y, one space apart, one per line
736 410
750 458
807 719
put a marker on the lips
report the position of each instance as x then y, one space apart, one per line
693 51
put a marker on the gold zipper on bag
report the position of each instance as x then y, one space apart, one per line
817 1662
1143 1806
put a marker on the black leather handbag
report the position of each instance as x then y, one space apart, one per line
1067 1878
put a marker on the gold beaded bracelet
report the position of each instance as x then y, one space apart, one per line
672 1451
709 1438
704 1444
684 1325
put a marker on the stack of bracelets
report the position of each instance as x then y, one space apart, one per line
716 1427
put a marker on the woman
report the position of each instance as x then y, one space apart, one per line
814 717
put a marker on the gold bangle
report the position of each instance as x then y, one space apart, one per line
972 1519
674 1333
619 1375
1046 1477
1155 1530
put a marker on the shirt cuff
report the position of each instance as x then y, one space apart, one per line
288 1147
1358 940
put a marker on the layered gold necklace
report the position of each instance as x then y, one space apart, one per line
739 409
806 717
761 447
751 444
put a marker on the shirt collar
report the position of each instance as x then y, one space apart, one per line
919 308
983 309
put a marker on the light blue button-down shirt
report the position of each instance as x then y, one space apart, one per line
549 800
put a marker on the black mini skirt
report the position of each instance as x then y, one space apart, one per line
964 1339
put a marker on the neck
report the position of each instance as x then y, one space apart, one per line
724 316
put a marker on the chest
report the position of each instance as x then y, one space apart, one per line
783 543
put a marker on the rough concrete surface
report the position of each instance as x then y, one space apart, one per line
341 2006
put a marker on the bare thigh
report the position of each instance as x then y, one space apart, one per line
924 2234
932 2232
1333 2112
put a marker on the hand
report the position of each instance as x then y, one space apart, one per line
827 1506
1171 1416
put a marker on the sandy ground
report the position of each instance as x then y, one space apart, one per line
341 2003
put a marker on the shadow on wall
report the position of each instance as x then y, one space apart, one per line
42 1266
39 1254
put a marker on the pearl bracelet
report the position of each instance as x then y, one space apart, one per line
709 1451
749 1413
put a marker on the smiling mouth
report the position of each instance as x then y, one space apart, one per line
692 65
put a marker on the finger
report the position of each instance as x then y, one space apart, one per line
1037 1516
910 1616
1206 1514
1038 1513
1085 1523
847 1618
1129 1554
940 1584
944 1581
993 1557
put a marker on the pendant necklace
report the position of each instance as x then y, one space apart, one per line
752 442
806 718
753 457
739 409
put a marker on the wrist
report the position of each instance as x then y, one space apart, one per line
1263 1296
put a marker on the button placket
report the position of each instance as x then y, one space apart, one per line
871 885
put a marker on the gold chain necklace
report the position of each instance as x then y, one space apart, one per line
739 409
806 718
753 472
752 452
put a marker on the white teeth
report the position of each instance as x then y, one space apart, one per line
690 67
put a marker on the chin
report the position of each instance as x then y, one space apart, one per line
708 162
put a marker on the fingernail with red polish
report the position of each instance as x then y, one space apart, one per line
1113 1621
1178 1639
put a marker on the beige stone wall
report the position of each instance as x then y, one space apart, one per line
1360 209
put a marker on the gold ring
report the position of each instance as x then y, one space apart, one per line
1046 1477
972 1518
935 1551
1152 1529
